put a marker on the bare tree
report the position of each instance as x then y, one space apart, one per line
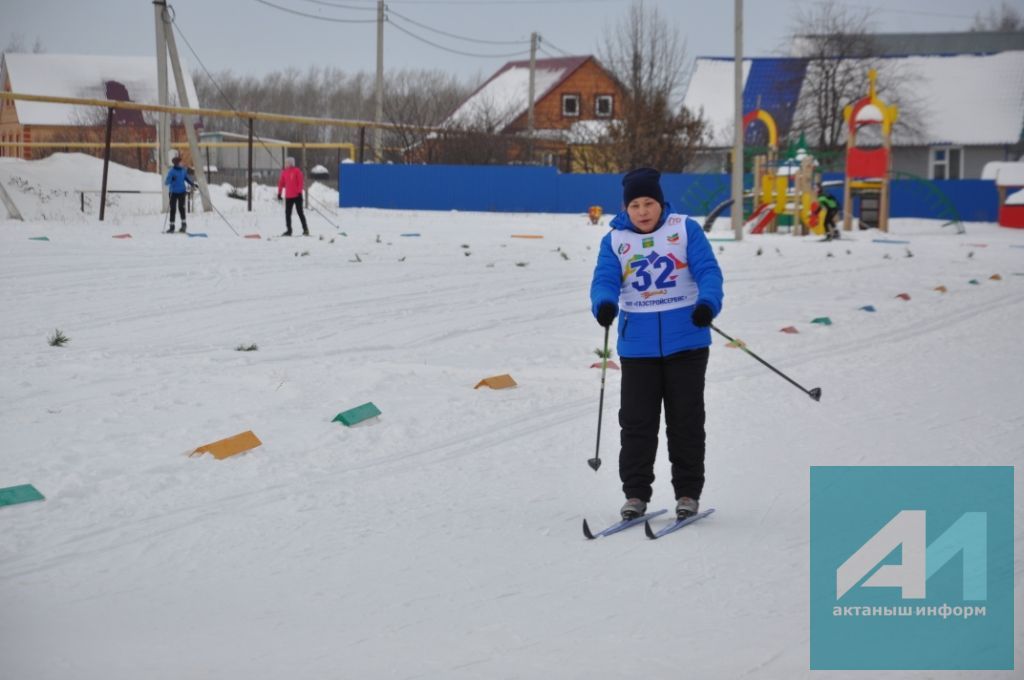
417 100
412 99
17 44
837 41
647 58
1006 18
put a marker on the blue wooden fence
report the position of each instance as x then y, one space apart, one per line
499 188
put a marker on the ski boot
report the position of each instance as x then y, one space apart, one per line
171 230
686 507
633 508
287 233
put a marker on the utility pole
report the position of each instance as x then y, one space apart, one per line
162 129
737 147
378 116
190 128
529 111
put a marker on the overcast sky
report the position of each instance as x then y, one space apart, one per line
252 37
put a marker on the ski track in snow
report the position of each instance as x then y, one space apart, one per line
444 540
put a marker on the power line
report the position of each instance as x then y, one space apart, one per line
889 10
501 2
555 47
209 75
316 16
458 37
453 51
340 5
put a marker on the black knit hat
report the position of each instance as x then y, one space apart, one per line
642 182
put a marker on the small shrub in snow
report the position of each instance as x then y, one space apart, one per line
247 348
522 264
58 339
602 354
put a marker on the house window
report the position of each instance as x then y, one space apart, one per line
603 105
946 162
570 105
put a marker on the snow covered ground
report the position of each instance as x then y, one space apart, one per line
444 540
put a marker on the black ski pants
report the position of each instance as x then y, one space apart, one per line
296 203
678 382
179 201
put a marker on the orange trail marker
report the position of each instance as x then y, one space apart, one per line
903 296
122 236
789 329
995 277
252 236
225 448
941 289
497 382
527 236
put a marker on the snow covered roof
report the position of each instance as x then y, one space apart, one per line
1005 174
82 76
711 93
965 99
505 96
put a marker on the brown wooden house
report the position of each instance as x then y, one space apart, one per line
83 77
575 98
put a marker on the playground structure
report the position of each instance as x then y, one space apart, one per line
783 192
1009 180
868 168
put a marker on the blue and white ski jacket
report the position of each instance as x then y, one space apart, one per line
176 179
656 280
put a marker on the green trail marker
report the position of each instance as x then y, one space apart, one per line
356 415
12 495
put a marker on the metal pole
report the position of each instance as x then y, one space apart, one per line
378 116
249 192
162 127
737 148
305 171
529 110
106 163
362 144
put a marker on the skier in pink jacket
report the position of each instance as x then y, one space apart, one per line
293 183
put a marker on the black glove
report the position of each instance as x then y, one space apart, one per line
279 197
606 312
702 315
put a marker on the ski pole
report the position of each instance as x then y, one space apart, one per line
814 393
224 218
595 462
